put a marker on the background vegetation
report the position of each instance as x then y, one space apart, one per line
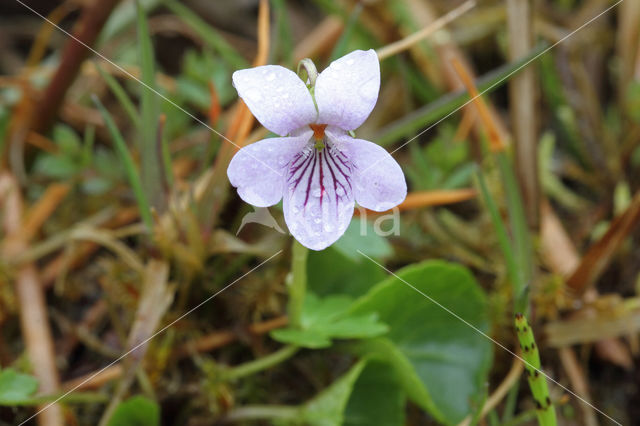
126 297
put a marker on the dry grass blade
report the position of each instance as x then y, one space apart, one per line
599 255
522 98
578 382
34 321
613 322
205 343
422 199
496 141
155 299
408 42
501 391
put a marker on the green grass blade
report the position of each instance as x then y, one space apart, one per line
340 48
151 158
429 114
121 95
502 235
209 35
284 42
519 230
129 165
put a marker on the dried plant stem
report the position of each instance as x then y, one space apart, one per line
91 22
409 41
601 253
578 383
206 343
523 108
216 193
501 391
34 321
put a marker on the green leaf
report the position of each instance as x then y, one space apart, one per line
16 387
136 411
66 139
377 398
441 362
56 166
326 319
361 235
327 273
327 408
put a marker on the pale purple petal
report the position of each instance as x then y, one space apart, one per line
318 200
259 170
276 96
378 180
347 90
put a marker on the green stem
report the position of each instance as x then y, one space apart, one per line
260 364
503 238
255 412
72 398
298 284
545 410
519 229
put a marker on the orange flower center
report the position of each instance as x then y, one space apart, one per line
318 131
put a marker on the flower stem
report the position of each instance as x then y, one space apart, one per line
261 364
298 285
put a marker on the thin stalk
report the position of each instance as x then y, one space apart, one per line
519 229
72 398
261 364
255 412
129 165
503 237
341 46
545 410
298 286
121 95
151 158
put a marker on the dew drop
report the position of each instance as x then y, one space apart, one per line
340 192
350 61
317 220
316 192
327 227
271 76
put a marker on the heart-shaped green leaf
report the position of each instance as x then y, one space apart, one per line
441 361
377 398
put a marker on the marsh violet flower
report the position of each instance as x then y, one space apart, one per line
316 166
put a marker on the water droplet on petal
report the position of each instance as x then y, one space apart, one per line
340 192
350 61
271 76
327 227
316 192
317 220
